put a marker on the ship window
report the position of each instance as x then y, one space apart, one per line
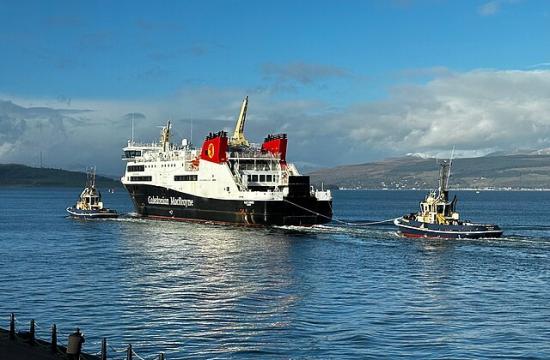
185 178
132 153
262 178
254 178
268 178
141 178
136 168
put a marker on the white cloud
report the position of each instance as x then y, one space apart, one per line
479 111
492 7
93 131
539 65
489 8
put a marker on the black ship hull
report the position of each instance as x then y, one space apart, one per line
167 204
412 228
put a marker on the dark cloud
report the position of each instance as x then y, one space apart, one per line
430 72
150 26
198 50
68 21
301 73
11 125
134 116
23 129
153 72
177 53
95 41
64 99
164 55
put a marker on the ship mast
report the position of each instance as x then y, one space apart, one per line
90 177
93 177
238 138
444 168
444 175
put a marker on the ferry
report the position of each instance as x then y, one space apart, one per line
438 218
226 180
89 204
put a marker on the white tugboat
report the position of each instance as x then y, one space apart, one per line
438 217
89 205
227 180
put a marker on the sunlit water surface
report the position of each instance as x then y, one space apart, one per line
206 291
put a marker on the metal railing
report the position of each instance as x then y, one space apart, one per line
73 350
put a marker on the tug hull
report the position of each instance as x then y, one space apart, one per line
462 230
92 214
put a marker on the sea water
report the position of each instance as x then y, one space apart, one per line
331 291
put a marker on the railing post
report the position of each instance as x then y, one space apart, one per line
53 343
161 356
104 349
12 326
32 331
129 354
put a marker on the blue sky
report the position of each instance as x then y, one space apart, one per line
329 61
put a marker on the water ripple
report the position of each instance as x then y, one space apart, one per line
330 291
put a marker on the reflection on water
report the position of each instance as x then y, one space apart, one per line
218 283
329 291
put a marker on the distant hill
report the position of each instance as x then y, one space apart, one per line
522 171
21 175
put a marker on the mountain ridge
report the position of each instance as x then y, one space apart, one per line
520 171
28 176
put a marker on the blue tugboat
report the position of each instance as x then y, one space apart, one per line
89 205
438 217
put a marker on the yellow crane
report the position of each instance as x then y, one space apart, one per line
238 138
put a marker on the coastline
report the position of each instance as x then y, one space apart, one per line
450 189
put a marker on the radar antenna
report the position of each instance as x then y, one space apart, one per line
238 138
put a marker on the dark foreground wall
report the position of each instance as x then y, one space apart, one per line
21 349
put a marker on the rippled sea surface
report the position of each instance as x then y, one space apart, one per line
208 291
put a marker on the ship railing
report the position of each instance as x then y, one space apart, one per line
256 167
142 145
251 155
261 195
